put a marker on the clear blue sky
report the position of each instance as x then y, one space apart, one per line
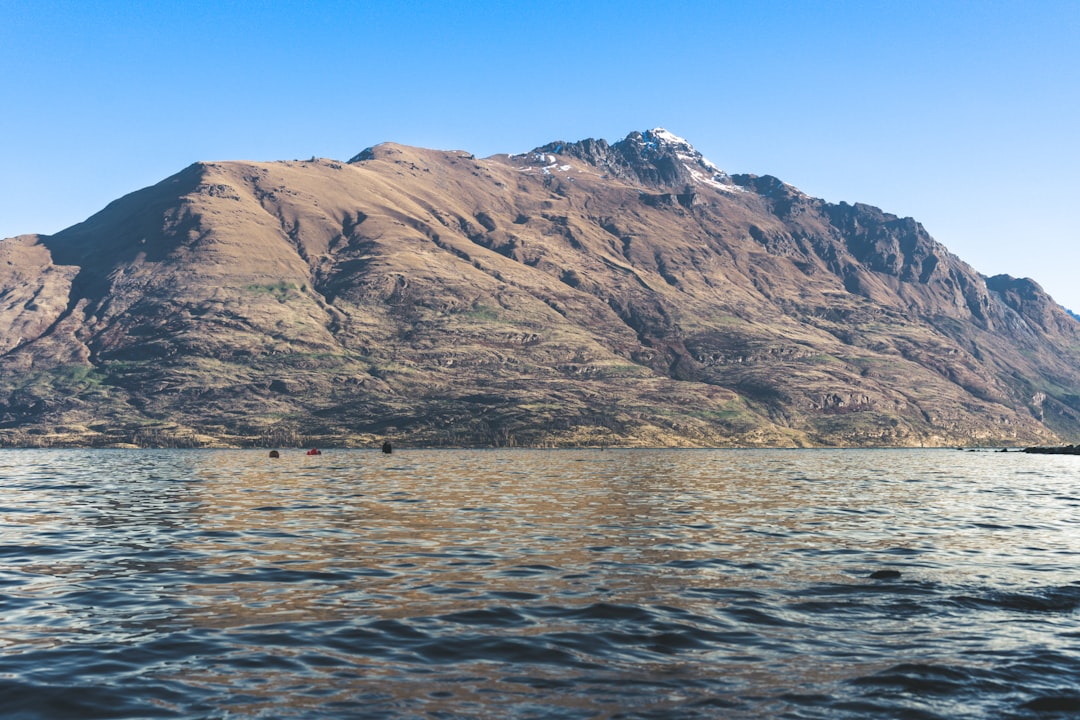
963 115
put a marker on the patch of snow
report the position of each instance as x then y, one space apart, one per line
691 158
556 166
714 181
684 150
668 137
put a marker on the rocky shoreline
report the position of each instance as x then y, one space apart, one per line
1057 450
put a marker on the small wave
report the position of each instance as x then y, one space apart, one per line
710 563
468 648
1038 683
32 700
596 612
31 551
919 679
513 595
754 616
1064 599
276 575
527 570
492 617
1055 703
726 593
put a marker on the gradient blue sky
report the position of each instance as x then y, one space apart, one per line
963 115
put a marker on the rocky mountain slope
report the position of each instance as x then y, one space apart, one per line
582 293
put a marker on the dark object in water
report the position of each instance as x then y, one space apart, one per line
387 447
274 454
1062 450
314 451
884 574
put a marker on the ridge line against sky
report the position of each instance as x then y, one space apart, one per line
959 114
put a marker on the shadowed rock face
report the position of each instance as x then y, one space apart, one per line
582 293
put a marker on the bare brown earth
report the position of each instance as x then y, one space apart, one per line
582 294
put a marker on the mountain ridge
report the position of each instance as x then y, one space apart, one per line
581 293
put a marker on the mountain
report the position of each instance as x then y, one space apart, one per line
582 293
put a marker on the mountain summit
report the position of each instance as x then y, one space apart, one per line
581 293
654 158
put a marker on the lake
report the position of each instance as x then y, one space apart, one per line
539 584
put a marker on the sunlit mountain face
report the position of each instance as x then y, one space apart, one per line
582 293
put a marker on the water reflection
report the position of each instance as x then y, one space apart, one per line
576 583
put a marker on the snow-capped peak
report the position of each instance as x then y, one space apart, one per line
655 157
661 138
669 137
701 169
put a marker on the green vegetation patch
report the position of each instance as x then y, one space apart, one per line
483 313
68 378
281 290
81 376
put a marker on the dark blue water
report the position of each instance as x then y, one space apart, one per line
539 584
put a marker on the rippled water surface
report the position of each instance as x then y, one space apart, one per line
539 584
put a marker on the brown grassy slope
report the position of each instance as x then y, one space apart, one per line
440 298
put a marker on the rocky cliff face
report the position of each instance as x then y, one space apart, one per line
582 293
